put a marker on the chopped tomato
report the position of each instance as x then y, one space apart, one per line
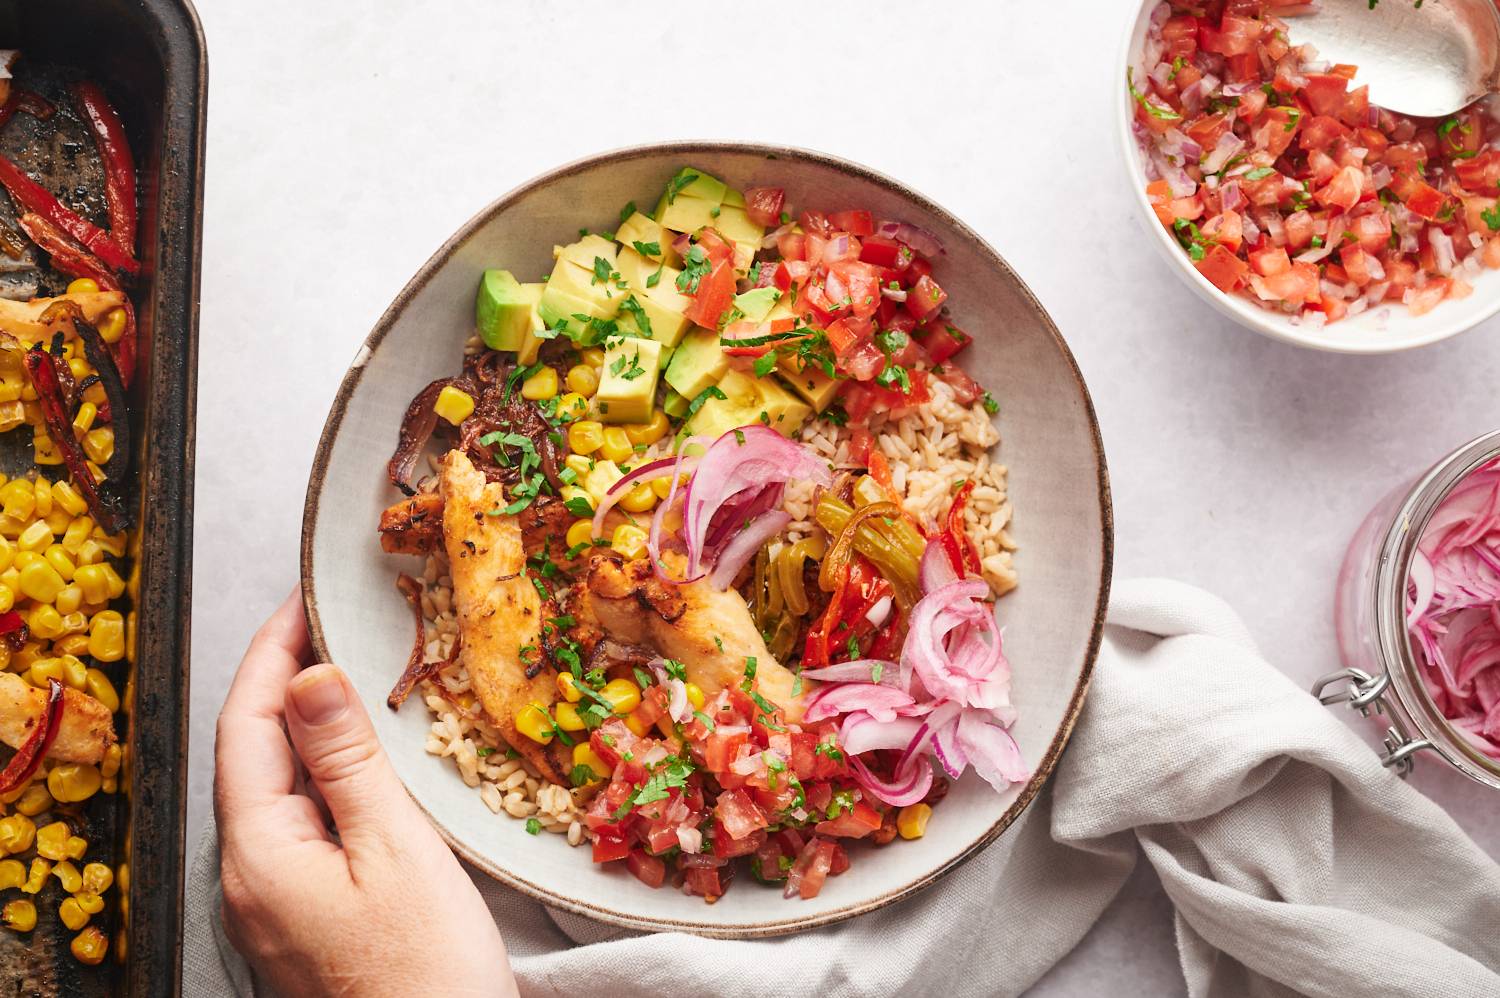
885 252
737 814
925 297
706 882
714 296
811 869
763 205
1222 268
855 823
1325 92
728 847
608 848
942 340
647 869
1343 190
1424 299
1270 261
856 223
1425 200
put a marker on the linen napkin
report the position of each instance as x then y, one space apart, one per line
1296 863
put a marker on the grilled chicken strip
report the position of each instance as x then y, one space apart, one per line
86 732
499 611
414 526
710 632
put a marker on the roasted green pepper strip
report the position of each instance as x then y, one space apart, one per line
789 564
868 490
855 532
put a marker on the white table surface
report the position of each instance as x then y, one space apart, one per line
346 141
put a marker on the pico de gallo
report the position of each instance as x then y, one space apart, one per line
643 408
1286 186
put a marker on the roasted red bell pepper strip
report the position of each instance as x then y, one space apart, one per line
119 164
67 256
31 753
31 196
956 541
49 394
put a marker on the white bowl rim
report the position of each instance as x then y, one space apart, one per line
684 148
1430 330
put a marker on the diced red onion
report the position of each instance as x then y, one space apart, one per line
921 240
909 786
877 700
894 294
1231 197
878 613
859 671
690 839
1443 254
771 237
738 552
1240 89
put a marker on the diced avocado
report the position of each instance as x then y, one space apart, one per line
559 305
756 304
663 326
586 250
643 229
696 183
638 270
674 404
747 401
734 224
505 312
627 381
734 198
698 363
687 214
809 381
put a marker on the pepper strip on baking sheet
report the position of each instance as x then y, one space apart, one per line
31 196
31 753
119 164
24 100
67 256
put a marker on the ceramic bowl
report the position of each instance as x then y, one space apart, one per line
1387 329
1058 484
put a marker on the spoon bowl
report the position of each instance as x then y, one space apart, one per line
1428 59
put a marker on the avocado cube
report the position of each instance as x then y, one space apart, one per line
734 224
642 228
748 401
687 214
559 307
627 381
505 312
663 326
701 185
638 270
756 304
586 250
698 363
809 381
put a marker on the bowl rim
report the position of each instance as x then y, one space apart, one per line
1231 306
683 148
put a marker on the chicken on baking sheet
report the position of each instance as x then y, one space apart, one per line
683 566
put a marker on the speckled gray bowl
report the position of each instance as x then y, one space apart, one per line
1058 484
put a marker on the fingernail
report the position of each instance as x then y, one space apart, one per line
318 695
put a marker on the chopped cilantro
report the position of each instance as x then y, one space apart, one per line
677 183
1155 110
647 249
533 827
581 774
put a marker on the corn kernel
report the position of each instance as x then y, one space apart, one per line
29 655
617 446
73 623
72 644
45 622
66 496
581 532
24 558
40 581
912 821
36 876
114 585
567 717
594 357
584 379
98 686
541 385
112 326
17 832
453 404
75 673
111 764
622 695
76 846
628 541
79 368
639 499
83 286
71 782
90 553
12 874
122 874
651 431
581 465
78 530
107 636
52 840
35 537
99 444
88 900
19 915
83 420
58 520
43 490
12 415
7 598
90 946
33 800
637 724
18 499
534 722
586 436
67 874
43 450
69 600
584 755
572 406
663 486
72 915
695 695
93 583
58 559
44 669
7 553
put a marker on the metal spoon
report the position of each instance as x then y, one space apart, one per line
1428 58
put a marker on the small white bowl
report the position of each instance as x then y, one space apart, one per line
1387 329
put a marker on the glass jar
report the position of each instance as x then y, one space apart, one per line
1381 671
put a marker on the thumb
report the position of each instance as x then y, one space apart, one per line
336 743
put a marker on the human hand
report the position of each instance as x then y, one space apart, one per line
384 908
